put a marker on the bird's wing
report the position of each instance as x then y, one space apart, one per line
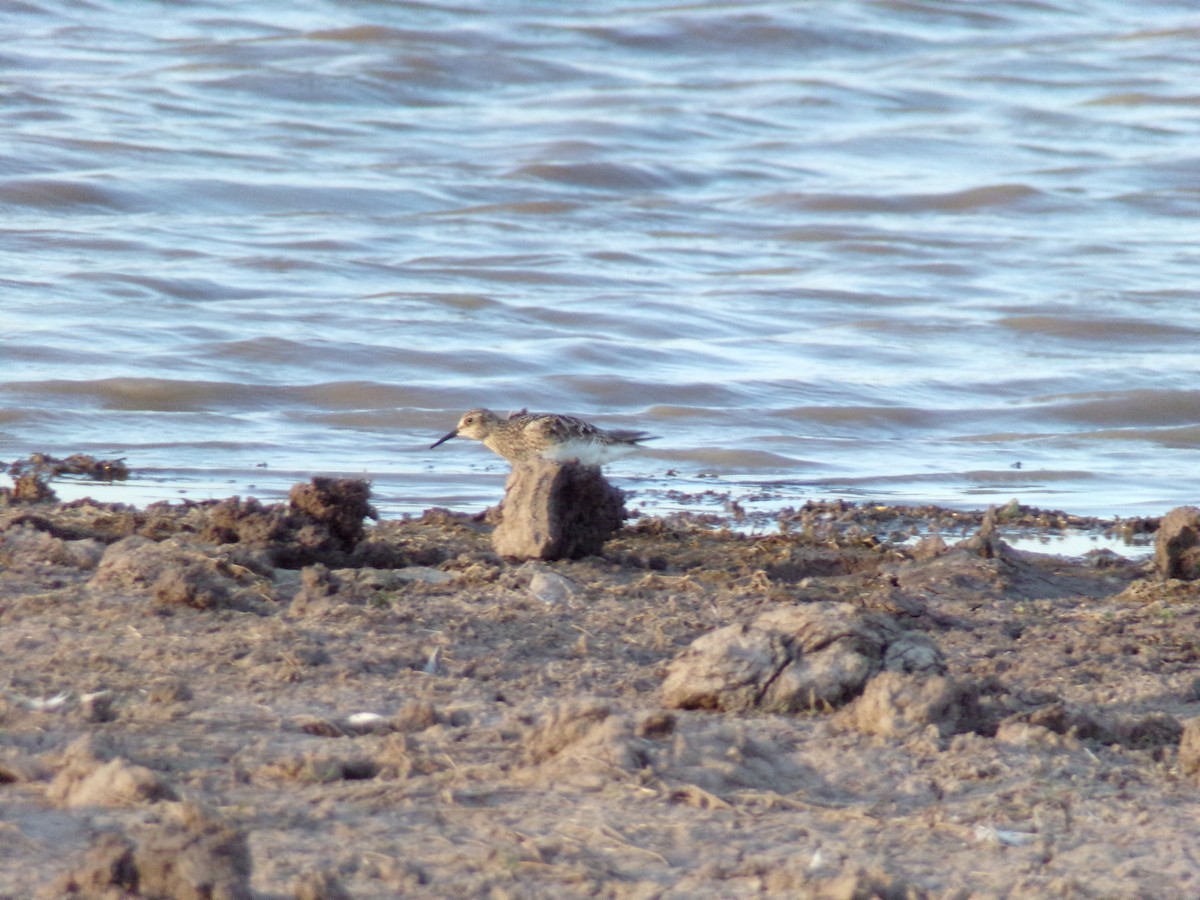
552 429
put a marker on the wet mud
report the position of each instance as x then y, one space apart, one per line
233 699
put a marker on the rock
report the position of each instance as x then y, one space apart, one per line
914 652
113 784
721 759
137 562
17 767
1177 545
195 585
550 587
339 505
814 656
554 510
724 669
30 487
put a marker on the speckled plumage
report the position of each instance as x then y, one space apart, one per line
525 435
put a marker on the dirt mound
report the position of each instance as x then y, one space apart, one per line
815 656
85 780
181 573
191 855
895 704
322 522
24 541
585 743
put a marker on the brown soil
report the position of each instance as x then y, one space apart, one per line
186 712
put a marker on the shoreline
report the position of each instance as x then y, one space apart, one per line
312 710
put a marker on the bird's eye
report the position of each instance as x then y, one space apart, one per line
468 420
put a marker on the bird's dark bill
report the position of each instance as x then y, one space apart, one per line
443 440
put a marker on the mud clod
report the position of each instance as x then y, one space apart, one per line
557 510
809 657
84 780
30 487
176 572
1177 545
31 476
192 855
323 522
896 704
338 504
107 871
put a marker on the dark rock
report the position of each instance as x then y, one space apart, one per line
31 476
555 510
323 522
339 504
31 487
1177 546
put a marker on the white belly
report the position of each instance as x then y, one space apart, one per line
588 453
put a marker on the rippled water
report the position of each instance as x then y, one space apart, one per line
904 251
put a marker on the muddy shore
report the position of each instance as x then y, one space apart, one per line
235 700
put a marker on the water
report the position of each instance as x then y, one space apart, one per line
894 251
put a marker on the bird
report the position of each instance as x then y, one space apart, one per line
524 435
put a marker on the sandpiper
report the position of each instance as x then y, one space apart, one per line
525 435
